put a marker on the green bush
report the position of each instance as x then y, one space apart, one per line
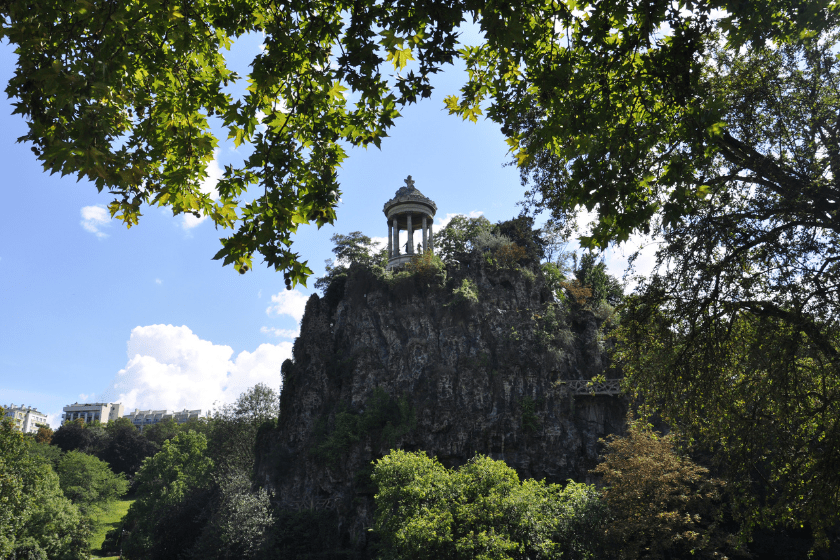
88 482
466 294
36 520
427 269
530 420
480 511
384 419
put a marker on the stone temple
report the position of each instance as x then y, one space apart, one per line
407 211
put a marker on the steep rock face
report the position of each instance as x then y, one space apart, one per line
404 363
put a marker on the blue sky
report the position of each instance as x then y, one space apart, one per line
93 311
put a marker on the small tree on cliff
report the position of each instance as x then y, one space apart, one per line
352 248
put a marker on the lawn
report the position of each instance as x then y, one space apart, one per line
104 522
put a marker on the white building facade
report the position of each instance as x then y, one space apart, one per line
26 418
143 418
92 412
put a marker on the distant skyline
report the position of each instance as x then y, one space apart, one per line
95 312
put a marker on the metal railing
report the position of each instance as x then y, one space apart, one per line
589 387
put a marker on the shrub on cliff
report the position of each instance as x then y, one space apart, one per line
425 511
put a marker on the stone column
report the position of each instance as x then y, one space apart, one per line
396 228
431 235
390 240
425 247
410 246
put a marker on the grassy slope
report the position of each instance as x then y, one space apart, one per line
106 521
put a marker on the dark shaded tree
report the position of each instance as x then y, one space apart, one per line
520 230
233 429
735 337
78 436
125 448
162 431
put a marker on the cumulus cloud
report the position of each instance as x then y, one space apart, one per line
158 281
379 242
443 221
280 333
288 302
54 419
94 218
172 368
208 185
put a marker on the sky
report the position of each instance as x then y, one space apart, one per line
93 312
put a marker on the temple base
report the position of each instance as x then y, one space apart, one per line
398 261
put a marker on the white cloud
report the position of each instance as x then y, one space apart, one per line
172 368
95 217
54 419
158 281
288 302
280 333
379 242
616 259
85 398
208 185
442 222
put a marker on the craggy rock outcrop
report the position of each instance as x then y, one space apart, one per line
404 363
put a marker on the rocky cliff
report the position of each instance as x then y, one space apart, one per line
470 359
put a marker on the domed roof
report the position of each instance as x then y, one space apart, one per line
409 193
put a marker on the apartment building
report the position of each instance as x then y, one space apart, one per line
26 418
143 418
92 412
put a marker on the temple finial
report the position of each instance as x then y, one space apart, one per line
409 182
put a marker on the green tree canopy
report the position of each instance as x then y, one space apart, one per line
355 247
161 431
592 274
233 429
124 448
661 503
480 511
36 520
88 482
736 337
164 484
458 235
124 94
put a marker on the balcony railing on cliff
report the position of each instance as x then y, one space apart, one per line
582 387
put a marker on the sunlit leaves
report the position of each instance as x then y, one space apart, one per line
123 93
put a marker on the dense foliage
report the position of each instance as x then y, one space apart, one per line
125 94
480 511
355 247
735 337
195 497
661 504
36 520
88 482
